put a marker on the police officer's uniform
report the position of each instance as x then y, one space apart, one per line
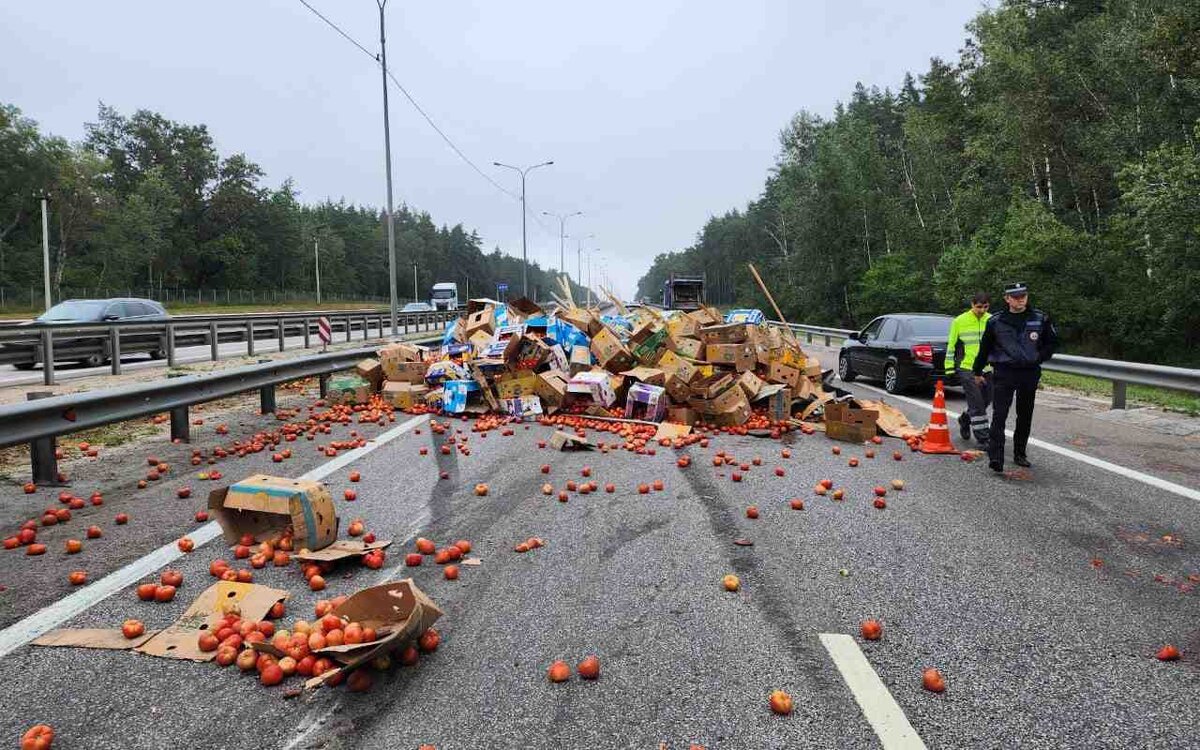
1016 345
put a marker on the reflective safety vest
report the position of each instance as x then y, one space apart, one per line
965 332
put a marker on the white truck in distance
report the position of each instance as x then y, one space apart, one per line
444 296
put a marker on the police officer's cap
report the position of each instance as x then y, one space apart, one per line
1016 289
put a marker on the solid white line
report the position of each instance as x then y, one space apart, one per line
877 704
1099 463
46 619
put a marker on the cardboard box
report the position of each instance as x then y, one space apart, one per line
504 343
178 640
340 550
706 316
371 371
485 386
562 441
525 308
551 388
594 386
647 375
406 372
458 395
516 383
610 353
439 372
401 353
690 348
779 401
404 395
582 319
398 611
581 359
812 367
348 389
843 422
525 407
712 385
482 321
649 350
479 340
745 315
731 417
558 359
777 372
751 384
531 353
740 356
677 389
730 399
682 326
726 333
682 415
646 402
264 506
673 364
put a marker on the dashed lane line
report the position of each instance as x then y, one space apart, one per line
878 706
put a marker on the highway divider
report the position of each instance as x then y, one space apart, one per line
41 420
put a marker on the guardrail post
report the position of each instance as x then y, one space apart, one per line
47 357
114 348
249 338
366 328
307 344
1118 397
213 349
279 323
323 385
348 326
180 429
43 459
170 345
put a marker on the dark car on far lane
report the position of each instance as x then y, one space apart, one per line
90 350
904 350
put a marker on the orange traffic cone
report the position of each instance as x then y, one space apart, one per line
937 434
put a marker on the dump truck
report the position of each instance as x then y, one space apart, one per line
683 292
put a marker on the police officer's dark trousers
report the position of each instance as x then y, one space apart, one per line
1007 382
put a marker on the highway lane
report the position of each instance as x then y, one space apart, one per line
1036 596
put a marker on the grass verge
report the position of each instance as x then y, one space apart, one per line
1186 403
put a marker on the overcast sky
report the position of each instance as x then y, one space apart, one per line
657 113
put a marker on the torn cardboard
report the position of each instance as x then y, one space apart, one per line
264 506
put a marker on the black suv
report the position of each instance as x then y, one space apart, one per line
904 350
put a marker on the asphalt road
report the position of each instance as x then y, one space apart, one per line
1035 594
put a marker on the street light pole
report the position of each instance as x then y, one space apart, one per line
415 298
562 236
46 249
387 149
317 258
524 238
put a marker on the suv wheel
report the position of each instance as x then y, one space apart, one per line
844 371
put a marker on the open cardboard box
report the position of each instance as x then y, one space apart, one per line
179 640
264 506
399 611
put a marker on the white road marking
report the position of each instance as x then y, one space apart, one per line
877 704
46 619
1099 463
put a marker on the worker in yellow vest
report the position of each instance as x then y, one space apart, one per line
965 333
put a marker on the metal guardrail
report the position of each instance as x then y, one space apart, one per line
1119 372
40 420
106 342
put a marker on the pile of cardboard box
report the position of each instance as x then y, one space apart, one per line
645 364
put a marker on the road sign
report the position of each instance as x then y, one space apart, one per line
323 331
502 287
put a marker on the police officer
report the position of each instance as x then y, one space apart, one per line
963 346
1015 342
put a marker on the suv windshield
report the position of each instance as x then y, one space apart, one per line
928 327
75 310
